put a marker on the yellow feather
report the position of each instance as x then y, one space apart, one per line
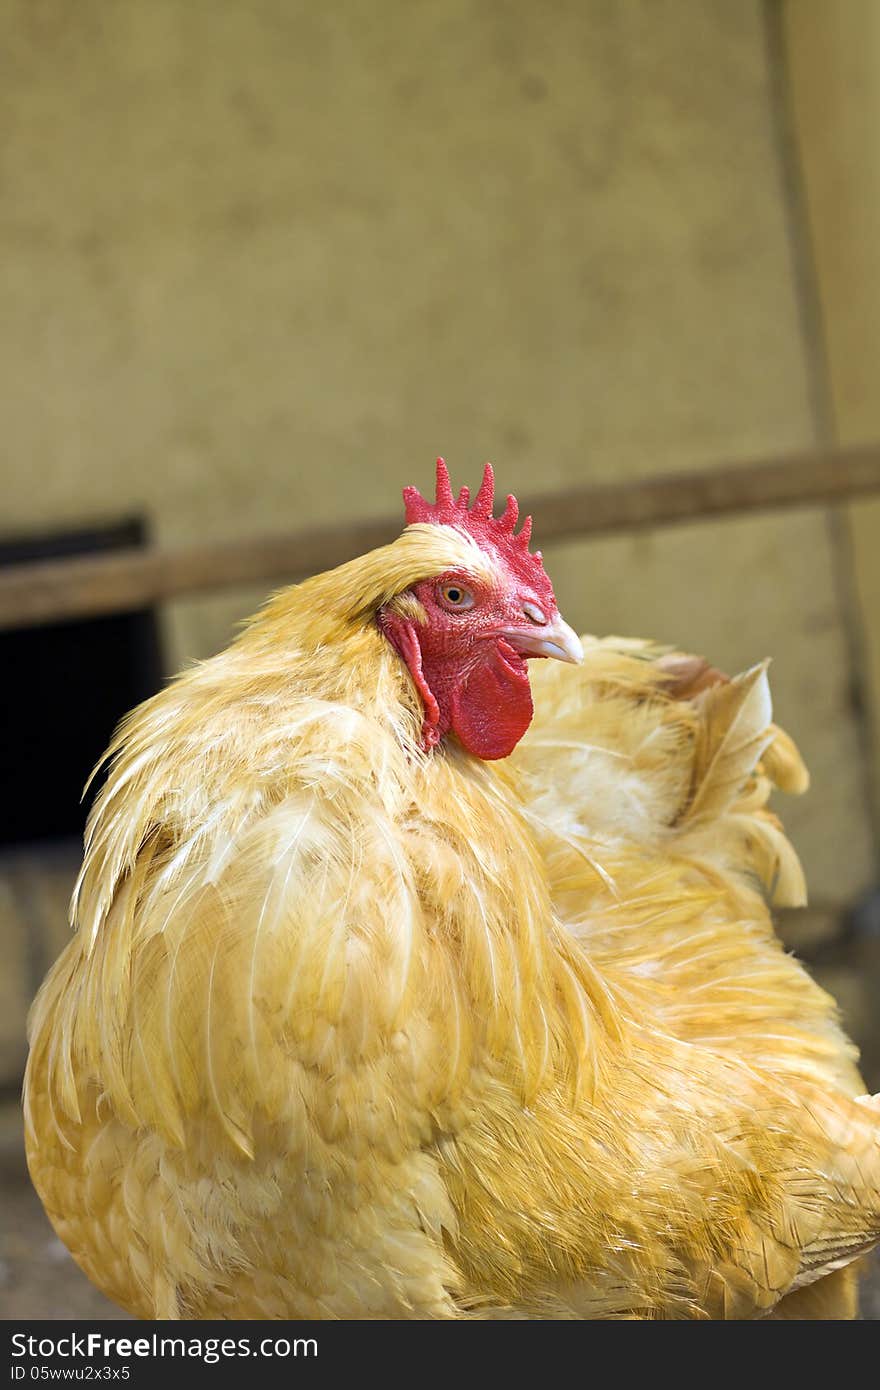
733 732
347 1030
783 763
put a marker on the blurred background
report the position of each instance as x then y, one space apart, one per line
260 263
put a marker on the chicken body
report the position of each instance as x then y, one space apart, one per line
348 1029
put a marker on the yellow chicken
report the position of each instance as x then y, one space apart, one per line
384 1004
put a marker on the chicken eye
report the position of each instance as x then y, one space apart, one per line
457 596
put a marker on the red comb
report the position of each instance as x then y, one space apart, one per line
490 532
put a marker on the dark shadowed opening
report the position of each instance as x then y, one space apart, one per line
63 689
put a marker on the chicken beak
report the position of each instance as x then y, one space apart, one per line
555 639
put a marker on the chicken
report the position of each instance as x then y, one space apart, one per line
384 1004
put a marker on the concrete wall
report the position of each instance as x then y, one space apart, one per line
260 263
834 76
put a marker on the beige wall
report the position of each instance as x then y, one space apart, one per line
259 263
834 68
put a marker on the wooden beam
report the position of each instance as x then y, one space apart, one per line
57 590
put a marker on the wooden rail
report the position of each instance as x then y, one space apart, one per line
57 590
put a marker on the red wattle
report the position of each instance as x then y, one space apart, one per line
487 705
492 707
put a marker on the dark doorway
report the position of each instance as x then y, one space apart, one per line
63 689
